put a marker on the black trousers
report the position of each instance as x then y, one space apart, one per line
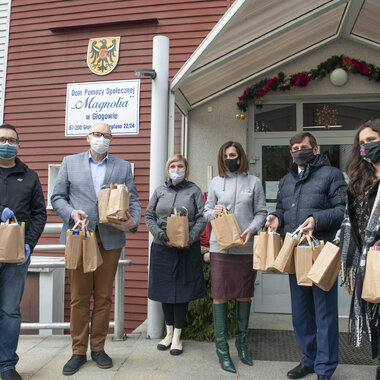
175 314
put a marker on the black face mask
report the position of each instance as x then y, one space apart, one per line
232 164
371 152
303 157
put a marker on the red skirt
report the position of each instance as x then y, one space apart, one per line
232 276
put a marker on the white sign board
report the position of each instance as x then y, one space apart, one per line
115 103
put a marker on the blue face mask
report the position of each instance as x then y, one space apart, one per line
8 151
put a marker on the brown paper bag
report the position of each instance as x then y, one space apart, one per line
284 262
227 230
371 284
260 246
118 203
273 249
303 260
12 243
265 251
74 249
326 267
103 197
92 258
317 247
177 227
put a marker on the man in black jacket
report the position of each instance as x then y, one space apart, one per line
21 196
312 195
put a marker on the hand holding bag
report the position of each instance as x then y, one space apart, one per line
113 202
12 248
284 262
74 249
371 284
227 230
177 227
326 267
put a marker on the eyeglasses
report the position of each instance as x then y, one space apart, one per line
11 140
100 134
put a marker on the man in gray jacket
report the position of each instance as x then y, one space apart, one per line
80 178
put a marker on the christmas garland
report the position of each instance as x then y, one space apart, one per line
284 82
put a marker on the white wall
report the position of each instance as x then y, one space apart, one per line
209 130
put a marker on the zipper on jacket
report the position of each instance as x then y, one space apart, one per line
235 193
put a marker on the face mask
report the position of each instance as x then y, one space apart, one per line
232 164
303 157
371 152
177 176
8 151
100 144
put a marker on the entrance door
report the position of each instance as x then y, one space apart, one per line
272 161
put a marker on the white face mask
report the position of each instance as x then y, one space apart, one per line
177 176
100 144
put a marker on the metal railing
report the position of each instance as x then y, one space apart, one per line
118 323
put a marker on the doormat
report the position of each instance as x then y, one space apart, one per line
282 345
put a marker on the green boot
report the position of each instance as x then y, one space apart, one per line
220 330
242 316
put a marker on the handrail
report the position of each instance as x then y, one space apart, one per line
118 324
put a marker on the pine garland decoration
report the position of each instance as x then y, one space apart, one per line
283 82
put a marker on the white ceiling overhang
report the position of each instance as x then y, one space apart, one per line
255 36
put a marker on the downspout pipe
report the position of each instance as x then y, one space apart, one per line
158 152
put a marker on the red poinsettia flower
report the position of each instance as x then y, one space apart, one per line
261 91
346 60
245 93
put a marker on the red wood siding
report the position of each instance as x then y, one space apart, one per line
41 63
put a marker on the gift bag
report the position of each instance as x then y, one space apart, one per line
118 203
326 267
103 197
284 262
73 249
371 284
303 260
92 258
177 227
227 230
12 244
317 247
265 251
260 246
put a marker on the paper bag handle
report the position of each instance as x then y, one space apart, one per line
175 210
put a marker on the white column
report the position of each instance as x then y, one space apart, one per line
158 150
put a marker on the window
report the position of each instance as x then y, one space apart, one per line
339 116
275 118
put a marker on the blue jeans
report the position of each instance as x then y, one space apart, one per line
12 280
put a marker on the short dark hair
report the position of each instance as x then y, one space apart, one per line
299 137
222 168
9 126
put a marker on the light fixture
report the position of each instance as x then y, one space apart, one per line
338 77
150 73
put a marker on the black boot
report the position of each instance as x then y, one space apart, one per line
242 316
220 330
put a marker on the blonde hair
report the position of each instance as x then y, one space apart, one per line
175 158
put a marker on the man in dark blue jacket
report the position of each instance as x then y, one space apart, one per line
312 195
20 196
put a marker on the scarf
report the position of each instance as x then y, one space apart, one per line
363 315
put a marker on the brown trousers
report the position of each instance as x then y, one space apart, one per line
99 285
